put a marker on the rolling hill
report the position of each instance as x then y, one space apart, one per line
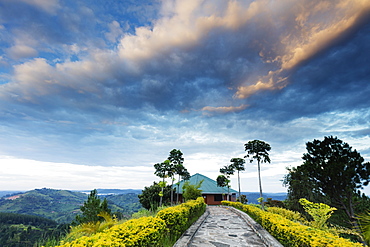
62 205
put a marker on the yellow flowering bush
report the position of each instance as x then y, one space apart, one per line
180 217
289 214
290 233
145 231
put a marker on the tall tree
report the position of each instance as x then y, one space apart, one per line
161 170
238 165
258 150
183 175
227 171
176 167
336 171
91 208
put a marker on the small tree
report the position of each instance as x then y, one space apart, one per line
258 150
92 208
191 191
320 212
149 197
223 181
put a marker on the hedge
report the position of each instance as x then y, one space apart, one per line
290 233
146 231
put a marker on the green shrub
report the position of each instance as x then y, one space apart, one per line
146 231
290 233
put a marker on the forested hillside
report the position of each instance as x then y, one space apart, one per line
26 230
62 205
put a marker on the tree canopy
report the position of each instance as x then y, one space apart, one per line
258 150
333 170
192 191
150 199
91 208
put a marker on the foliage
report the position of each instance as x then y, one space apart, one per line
320 212
364 222
163 170
147 213
149 198
222 181
258 150
146 231
180 217
28 230
290 233
92 208
286 213
274 203
192 191
127 204
243 199
333 171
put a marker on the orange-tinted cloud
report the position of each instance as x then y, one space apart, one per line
224 109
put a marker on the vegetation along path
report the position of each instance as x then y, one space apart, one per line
223 226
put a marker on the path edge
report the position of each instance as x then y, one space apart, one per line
189 234
266 237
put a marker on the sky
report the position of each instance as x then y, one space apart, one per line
94 93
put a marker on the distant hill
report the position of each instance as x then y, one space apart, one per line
253 196
63 205
113 191
59 205
10 192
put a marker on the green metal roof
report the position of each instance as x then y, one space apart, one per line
208 186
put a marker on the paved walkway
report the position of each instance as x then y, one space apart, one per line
226 227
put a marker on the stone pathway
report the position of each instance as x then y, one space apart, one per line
225 227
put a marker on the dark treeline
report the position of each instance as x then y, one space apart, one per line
27 230
11 218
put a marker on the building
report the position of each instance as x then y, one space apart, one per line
212 194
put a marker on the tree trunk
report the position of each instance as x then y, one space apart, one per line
172 191
239 185
177 192
161 197
260 184
228 193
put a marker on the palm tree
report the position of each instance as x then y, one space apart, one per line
183 175
238 165
258 150
161 170
227 171
176 167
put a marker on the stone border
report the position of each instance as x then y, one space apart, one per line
257 228
189 234
187 237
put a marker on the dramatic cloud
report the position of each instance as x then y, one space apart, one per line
118 84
